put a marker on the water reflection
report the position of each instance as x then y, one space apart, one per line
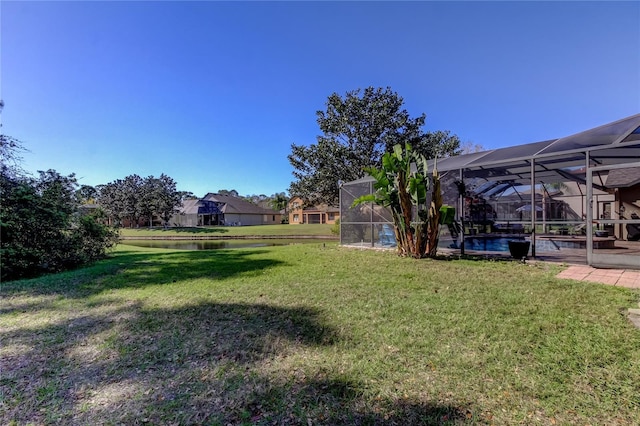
216 244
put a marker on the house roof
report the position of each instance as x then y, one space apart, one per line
190 206
234 205
623 178
193 206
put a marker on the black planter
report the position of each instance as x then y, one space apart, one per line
519 249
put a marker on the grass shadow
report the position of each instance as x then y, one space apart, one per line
133 269
208 363
341 401
120 361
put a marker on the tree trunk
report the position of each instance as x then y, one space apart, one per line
406 209
433 226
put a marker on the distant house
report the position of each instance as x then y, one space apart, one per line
200 212
299 213
215 209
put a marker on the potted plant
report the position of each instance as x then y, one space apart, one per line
519 248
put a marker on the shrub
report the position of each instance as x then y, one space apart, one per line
335 228
42 228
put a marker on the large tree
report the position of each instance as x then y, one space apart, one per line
134 198
166 199
121 199
357 130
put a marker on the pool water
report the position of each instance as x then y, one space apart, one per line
481 243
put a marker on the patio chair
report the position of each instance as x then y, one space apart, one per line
580 229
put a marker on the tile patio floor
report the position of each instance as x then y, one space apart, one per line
616 277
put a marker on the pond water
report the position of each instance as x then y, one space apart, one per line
219 244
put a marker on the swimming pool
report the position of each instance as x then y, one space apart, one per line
489 243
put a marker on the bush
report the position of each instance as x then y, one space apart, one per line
335 228
91 238
42 228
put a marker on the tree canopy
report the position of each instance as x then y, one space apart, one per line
357 130
10 158
231 193
134 198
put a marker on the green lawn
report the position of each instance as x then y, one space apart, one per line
315 334
283 230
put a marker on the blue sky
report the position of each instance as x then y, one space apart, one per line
214 93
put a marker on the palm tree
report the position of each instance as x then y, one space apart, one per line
279 202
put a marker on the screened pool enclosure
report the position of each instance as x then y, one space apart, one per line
574 196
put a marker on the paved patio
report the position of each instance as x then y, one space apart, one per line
616 277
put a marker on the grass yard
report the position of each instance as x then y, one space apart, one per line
315 334
234 231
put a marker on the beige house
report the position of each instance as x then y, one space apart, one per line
299 213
